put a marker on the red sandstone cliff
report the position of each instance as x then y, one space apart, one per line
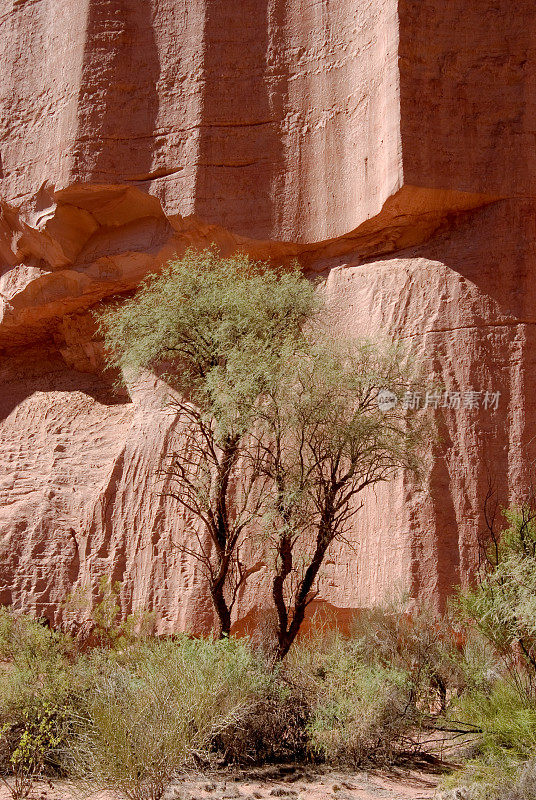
388 145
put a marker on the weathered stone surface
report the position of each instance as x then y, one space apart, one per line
389 146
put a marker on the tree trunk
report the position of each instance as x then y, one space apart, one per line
285 560
222 610
221 538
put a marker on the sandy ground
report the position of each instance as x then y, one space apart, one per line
288 783
304 784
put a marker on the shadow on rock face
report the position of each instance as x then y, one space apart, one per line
118 101
42 369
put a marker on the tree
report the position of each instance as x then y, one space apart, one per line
214 328
326 437
280 427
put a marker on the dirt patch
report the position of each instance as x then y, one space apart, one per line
285 782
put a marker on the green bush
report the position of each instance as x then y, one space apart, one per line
34 679
148 717
507 721
504 734
34 682
502 606
28 746
359 712
500 704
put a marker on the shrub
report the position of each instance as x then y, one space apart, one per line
507 722
525 785
501 705
147 717
502 605
428 648
34 693
128 715
28 746
494 781
28 642
273 731
97 621
359 712
504 730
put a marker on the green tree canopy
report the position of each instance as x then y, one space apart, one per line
215 325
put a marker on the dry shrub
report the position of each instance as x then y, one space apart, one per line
93 619
274 730
492 781
372 691
428 648
526 783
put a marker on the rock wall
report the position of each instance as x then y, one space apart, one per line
389 146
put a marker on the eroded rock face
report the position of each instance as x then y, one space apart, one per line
389 146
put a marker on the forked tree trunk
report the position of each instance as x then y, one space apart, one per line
286 633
